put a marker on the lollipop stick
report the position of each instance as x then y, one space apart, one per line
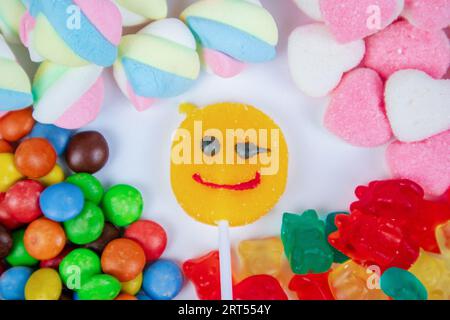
226 282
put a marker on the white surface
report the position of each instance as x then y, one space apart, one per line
323 171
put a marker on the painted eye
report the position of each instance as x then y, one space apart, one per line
210 146
247 150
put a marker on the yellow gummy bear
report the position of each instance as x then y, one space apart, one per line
55 176
229 162
133 286
443 239
351 281
8 171
432 270
262 256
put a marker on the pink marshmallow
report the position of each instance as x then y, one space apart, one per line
85 110
426 162
356 111
105 16
428 14
221 64
27 23
351 20
403 46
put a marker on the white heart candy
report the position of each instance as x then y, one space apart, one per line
311 8
417 105
317 61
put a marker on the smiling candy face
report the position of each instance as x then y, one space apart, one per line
234 164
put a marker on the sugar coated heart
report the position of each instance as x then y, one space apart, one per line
351 20
426 162
356 111
428 14
403 46
417 105
317 61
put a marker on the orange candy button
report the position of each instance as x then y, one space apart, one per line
5 147
16 124
44 239
125 296
35 157
123 259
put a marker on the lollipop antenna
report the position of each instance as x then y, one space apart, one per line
226 281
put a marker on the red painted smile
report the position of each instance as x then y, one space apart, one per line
248 185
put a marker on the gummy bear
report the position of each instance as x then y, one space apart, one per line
351 281
400 284
313 286
204 272
443 239
402 203
262 256
305 243
431 269
330 227
259 287
372 240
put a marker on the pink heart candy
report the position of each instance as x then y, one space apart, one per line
356 111
403 46
428 14
426 162
351 20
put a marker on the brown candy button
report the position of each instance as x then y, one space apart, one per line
87 152
109 233
6 242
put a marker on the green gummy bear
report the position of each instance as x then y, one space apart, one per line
305 243
401 284
330 227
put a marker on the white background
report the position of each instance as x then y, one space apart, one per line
323 171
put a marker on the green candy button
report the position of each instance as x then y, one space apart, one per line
100 287
87 226
18 256
78 267
90 186
122 205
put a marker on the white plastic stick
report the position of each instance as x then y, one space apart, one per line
226 280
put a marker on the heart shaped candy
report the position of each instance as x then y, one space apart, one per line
403 46
351 20
426 162
428 14
417 105
356 110
317 61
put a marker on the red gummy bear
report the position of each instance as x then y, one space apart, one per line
312 286
372 240
204 272
402 202
259 287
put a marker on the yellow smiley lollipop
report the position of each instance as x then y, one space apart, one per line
229 162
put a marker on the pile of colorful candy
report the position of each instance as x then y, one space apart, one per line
372 58
394 244
61 235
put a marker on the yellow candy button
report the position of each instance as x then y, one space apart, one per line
132 287
44 284
55 176
8 171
